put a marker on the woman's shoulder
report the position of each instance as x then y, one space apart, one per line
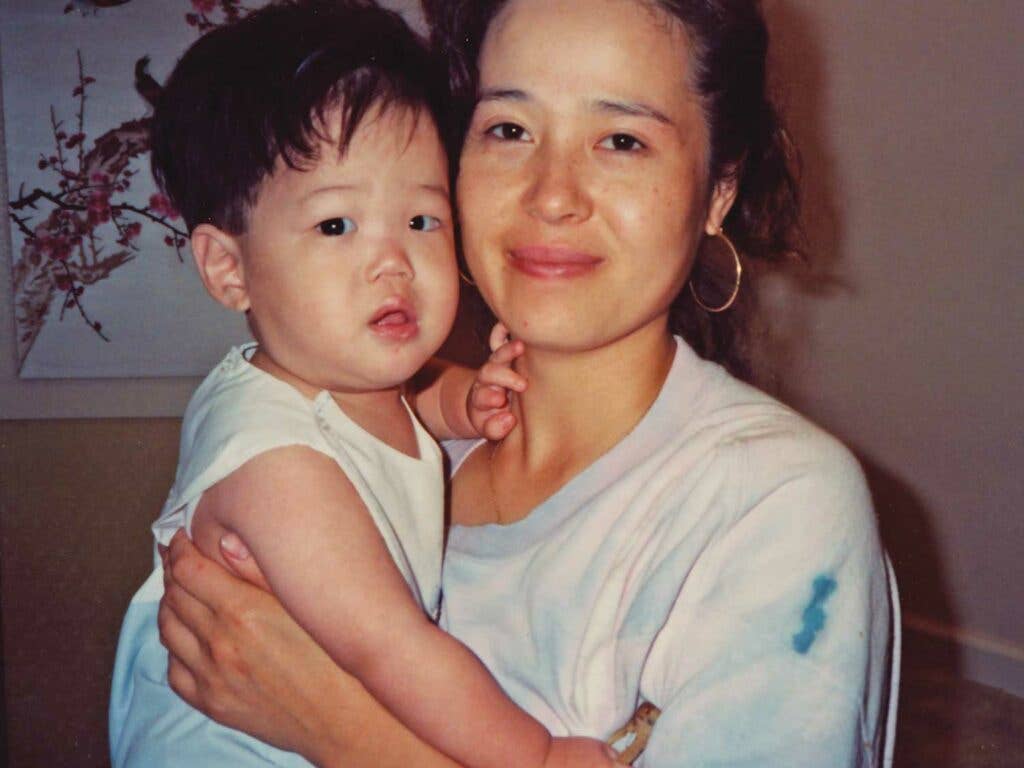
773 435
747 419
775 457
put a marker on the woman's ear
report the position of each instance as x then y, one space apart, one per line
722 198
218 258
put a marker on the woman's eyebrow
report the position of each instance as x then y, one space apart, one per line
631 109
614 106
503 94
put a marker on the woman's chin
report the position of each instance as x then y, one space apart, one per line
566 335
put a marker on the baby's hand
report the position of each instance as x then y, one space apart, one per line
488 403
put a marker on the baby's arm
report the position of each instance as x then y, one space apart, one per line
453 401
325 560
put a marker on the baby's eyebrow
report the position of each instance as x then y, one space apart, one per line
436 189
329 188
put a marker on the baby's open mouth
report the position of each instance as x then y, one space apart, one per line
394 317
396 320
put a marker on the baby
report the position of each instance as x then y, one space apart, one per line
301 145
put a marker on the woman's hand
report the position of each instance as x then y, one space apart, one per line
236 655
239 657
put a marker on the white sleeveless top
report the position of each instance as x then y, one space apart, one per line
241 411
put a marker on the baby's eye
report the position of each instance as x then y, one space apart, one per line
623 142
339 226
508 132
424 223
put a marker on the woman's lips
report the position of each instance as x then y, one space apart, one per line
395 320
552 262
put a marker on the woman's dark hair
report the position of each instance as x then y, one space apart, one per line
261 88
729 40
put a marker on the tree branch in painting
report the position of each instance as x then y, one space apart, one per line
204 13
82 228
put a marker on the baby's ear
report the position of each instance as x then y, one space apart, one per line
218 257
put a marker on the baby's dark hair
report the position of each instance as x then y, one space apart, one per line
262 88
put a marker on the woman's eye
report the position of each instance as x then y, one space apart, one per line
424 223
508 132
334 227
623 142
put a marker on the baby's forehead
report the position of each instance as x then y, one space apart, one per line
398 148
388 128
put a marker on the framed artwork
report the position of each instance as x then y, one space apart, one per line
102 280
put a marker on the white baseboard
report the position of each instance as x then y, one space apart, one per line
984 658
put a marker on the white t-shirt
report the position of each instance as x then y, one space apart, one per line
722 562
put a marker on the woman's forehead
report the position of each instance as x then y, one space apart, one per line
617 51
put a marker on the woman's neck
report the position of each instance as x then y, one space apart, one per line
580 404
577 407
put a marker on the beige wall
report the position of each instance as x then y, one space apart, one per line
909 115
76 500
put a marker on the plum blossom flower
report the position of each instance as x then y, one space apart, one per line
161 206
98 206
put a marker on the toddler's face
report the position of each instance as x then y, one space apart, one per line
350 265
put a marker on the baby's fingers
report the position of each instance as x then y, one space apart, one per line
507 352
499 336
486 398
496 427
496 374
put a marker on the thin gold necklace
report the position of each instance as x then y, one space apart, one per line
499 516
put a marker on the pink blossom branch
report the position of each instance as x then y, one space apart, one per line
71 298
151 216
55 125
22 225
30 200
81 112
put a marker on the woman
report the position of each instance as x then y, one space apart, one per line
653 529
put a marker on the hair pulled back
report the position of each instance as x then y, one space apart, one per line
748 142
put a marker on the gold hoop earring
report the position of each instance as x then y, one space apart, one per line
735 291
465 278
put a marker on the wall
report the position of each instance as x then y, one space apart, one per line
77 499
909 115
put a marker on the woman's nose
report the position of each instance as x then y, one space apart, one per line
391 259
557 192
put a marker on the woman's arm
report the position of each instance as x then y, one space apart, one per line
324 558
774 654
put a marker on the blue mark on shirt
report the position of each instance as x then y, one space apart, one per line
814 614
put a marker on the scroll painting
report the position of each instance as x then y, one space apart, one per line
102 276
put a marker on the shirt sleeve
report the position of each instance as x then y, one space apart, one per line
228 426
774 652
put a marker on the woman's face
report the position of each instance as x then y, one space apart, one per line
583 184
